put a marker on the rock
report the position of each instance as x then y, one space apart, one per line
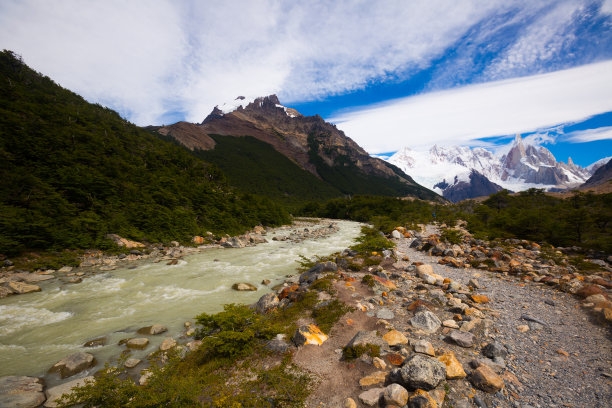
424 372
470 325
75 279
21 391
73 364
395 394
152 330
383 283
144 378
4 292
522 328
394 338
385 314
198 240
265 282
278 344
267 302
474 283
424 347
363 338
422 399
480 298
309 334
588 290
312 274
396 234
371 397
424 269
349 403
123 242
462 338
100 341
379 363
378 377
53 394
20 288
167 344
131 362
450 323
32 277
243 286
194 345
494 349
484 378
426 321
137 343
395 359
454 369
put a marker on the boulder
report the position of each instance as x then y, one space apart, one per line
484 378
420 371
385 313
312 274
462 338
131 362
152 330
198 240
426 321
371 397
363 338
454 369
396 234
422 399
73 364
243 286
267 302
100 341
53 394
137 343
395 394
378 377
349 403
21 391
32 277
278 344
4 292
308 334
494 349
167 344
424 347
20 288
394 338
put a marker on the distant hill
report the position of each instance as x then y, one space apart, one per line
309 144
603 175
72 172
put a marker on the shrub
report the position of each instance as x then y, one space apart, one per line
451 236
368 280
371 241
351 353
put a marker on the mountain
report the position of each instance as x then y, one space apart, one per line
73 172
523 166
601 176
313 147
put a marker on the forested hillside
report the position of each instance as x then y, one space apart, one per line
73 171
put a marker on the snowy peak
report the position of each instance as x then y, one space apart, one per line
268 103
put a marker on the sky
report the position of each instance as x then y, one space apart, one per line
389 73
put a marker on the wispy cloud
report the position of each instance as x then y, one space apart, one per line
146 58
477 111
589 135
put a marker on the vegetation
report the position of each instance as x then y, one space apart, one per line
451 236
74 171
371 241
351 353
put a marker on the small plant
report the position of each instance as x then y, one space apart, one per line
324 284
326 316
452 236
371 241
368 280
351 353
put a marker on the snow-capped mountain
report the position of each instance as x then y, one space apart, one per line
448 170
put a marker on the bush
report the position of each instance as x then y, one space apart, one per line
371 241
351 353
451 236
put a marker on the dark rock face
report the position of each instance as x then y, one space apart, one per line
601 176
478 186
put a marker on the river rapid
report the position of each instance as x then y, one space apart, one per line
39 329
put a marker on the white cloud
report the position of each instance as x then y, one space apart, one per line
148 57
590 135
492 109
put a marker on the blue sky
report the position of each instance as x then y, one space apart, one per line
390 73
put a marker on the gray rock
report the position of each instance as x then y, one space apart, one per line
53 394
243 286
371 397
396 395
267 302
21 391
494 349
396 234
365 337
426 321
73 364
313 273
137 343
462 338
131 362
420 371
278 344
100 341
385 314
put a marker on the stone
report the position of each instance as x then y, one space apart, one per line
462 338
32 277
21 391
378 377
454 369
123 242
395 394
394 338
167 344
4 292
470 325
198 240
371 396
278 344
522 328
73 364
480 298
424 269
426 321
65 269
363 338
152 330
420 371
422 399
53 394
21 288
144 378
588 290
450 323
100 341
485 379
349 403
395 359
494 349
266 282
474 283
424 347
137 343
379 363
267 302
308 334
131 362
244 287
396 234
312 274
595 298
383 283
385 314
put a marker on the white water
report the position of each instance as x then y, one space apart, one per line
38 329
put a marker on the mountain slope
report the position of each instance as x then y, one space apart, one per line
603 175
308 141
72 172
476 186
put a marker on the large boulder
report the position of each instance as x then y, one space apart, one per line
313 273
137 343
73 364
420 371
267 302
486 379
426 321
155 329
244 287
395 395
308 334
20 391
20 288
53 394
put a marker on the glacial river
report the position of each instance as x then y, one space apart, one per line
39 329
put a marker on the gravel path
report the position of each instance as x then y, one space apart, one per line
564 360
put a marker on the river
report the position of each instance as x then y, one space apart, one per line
38 329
